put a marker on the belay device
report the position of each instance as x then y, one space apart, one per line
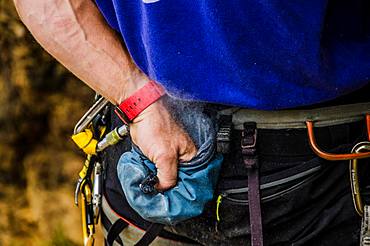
90 136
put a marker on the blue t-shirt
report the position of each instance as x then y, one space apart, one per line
262 54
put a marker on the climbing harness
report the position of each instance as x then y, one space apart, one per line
91 136
296 119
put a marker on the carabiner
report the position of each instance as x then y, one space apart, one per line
353 168
332 156
90 115
88 226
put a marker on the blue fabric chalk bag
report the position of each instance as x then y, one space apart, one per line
196 179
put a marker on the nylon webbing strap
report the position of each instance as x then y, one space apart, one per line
117 227
250 158
115 230
152 232
295 118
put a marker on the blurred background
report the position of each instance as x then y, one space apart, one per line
39 104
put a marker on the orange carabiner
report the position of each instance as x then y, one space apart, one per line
332 156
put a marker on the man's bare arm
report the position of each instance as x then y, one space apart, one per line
74 32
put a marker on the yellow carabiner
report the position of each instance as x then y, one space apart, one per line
88 228
353 168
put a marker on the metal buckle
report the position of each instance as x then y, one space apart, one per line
224 134
249 146
353 169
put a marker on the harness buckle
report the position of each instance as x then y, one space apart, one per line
248 145
249 136
224 134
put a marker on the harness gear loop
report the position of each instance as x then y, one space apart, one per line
331 156
354 178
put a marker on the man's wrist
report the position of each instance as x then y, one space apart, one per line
136 79
132 106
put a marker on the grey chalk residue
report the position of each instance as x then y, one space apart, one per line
195 118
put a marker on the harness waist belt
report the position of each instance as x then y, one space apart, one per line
284 119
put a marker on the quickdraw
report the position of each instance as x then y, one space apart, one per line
91 137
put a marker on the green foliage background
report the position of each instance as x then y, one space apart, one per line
39 104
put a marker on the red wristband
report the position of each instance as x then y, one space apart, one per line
140 100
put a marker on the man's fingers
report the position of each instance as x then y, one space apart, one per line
189 153
163 141
166 172
167 167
